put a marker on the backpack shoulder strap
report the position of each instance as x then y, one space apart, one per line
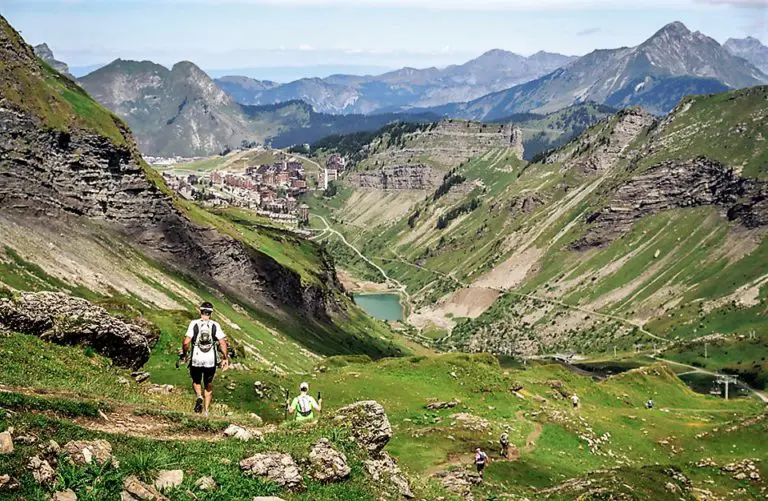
195 332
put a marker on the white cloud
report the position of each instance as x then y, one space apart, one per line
305 47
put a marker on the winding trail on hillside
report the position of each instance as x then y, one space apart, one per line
533 436
399 286
122 418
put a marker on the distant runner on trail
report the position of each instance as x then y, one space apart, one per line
575 401
304 405
481 458
202 337
649 404
504 443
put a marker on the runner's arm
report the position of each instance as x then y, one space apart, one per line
292 407
318 404
224 353
188 339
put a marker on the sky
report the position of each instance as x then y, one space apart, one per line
284 39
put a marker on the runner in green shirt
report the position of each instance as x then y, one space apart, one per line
304 405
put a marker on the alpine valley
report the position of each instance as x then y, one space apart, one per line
580 258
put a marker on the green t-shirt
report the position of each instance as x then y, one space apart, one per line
304 406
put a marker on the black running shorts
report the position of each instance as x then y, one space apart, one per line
202 374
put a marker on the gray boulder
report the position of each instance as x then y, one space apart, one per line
278 467
83 452
205 484
136 489
384 469
68 320
41 470
328 464
368 424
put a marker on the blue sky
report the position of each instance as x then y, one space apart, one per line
227 34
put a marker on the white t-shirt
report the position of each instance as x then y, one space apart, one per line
200 358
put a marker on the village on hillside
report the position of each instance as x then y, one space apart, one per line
271 190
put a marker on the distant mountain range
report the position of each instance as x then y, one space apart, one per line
673 63
404 88
750 49
182 112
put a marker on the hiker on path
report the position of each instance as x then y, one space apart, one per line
481 458
575 401
504 443
649 404
203 336
304 405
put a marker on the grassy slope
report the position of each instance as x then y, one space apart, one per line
423 440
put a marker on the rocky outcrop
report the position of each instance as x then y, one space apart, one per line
135 489
399 177
676 184
327 464
368 424
384 469
601 150
67 320
243 434
41 470
85 452
459 481
50 174
275 466
6 443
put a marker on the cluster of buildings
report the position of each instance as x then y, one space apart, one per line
269 190
334 167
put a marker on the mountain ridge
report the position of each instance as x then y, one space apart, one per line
623 77
406 87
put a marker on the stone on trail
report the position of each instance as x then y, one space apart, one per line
459 481
434 406
140 376
206 484
328 464
83 452
275 466
41 470
368 424
67 495
243 434
136 489
6 443
168 479
384 469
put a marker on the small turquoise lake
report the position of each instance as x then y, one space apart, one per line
381 306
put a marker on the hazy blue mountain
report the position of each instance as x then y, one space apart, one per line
402 88
750 49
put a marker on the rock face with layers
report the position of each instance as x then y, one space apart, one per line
275 466
676 184
67 320
368 424
399 177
